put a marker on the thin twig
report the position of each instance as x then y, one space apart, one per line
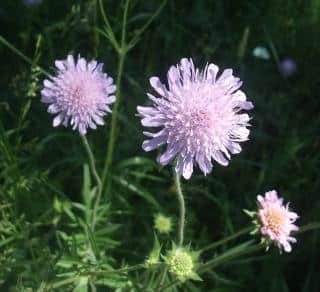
21 55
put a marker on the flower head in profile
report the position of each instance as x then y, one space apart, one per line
200 116
275 221
79 94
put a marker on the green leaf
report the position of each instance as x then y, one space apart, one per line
82 285
138 190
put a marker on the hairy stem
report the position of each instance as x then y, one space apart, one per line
97 179
182 208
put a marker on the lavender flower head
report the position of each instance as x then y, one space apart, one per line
79 94
199 115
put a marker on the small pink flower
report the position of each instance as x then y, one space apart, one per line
80 94
276 220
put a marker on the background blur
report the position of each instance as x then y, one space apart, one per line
272 45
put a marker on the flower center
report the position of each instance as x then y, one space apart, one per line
181 264
84 90
275 220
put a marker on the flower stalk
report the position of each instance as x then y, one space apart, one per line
96 177
182 209
122 51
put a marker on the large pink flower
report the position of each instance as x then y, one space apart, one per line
276 220
79 94
200 117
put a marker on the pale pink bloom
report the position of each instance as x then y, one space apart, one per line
200 116
276 220
79 94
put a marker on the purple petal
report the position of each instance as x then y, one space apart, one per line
158 86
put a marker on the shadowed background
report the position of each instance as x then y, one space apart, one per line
42 167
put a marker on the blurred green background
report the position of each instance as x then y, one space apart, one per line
41 168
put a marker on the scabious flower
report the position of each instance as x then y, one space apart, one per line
199 115
275 220
79 94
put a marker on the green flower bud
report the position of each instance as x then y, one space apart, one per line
182 263
162 224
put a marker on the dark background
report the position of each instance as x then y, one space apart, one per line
282 154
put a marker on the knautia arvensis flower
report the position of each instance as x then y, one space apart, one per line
275 221
200 116
79 94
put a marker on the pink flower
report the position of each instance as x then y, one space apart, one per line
79 94
199 115
276 220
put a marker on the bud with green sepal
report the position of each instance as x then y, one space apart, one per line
182 262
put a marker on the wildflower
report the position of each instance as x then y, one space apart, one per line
162 223
199 116
182 263
275 221
79 94
288 67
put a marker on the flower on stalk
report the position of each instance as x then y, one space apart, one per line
199 115
274 221
162 223
182 263
79 94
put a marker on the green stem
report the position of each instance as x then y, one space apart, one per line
97 179
225 258
122 51
182 208
163 278
114 123
109 30
67 281
121 270
226 239
308 227
95 32
124 24
21 55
